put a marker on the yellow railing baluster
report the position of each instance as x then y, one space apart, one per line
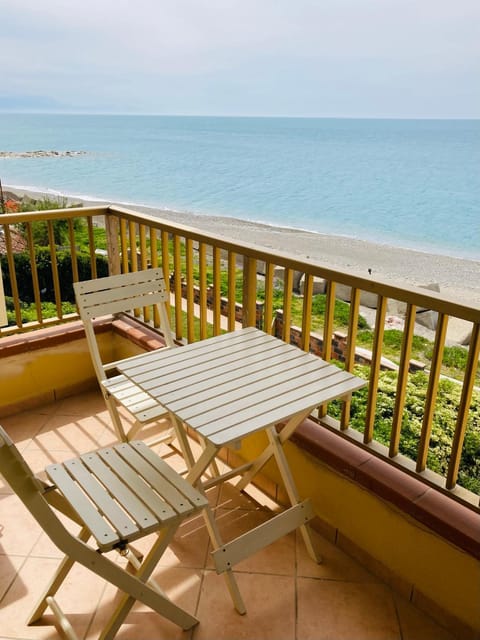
216 302
177 270
124 244
142 242
328 324
202 259
190 290
268 307
402 380
165 249
307 311
33 266
287 303
154 264
91 247
13 275
375 368
249 294
54 265
232 283
132 241
327 333
432 390
350 351
73 250
467 389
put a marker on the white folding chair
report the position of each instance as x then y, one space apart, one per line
112 295
117 495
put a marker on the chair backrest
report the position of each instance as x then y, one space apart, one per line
121 293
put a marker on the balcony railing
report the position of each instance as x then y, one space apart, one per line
216 283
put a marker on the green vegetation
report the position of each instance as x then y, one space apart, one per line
454 358
443 423
43 261
29 310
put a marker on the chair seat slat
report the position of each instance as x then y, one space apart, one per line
135 400
160 508
97 493
103 533
172 476
169 493
120 491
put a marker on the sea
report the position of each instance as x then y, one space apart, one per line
407 183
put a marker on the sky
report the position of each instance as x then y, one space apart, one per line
307 58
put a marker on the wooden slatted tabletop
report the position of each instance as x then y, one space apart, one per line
237 383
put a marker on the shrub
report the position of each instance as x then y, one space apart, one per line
23 272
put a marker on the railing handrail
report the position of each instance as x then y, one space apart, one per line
417 295
420 297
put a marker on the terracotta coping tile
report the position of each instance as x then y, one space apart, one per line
58 334
138 334
40 339
389 482
450 519
332 449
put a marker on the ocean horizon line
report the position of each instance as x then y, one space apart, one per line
242 116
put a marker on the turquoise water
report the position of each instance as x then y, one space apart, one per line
409 183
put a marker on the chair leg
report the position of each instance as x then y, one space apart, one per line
165 606
113 411
56 581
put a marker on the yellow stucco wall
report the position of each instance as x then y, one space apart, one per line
43 375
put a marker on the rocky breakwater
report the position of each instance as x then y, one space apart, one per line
41 154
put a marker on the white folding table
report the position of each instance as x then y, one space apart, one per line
226 388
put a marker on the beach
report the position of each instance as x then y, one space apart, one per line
456 278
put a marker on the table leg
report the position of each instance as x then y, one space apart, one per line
183 440
284 468
217 542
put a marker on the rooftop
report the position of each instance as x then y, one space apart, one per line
288 596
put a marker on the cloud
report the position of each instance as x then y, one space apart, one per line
241 55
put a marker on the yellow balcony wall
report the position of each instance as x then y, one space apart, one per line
51 364
441 578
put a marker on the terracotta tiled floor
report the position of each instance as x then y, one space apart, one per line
288 596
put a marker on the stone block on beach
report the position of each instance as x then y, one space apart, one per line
319 285
367 299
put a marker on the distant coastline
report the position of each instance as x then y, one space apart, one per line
41 154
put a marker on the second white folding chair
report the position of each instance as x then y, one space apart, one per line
109 296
